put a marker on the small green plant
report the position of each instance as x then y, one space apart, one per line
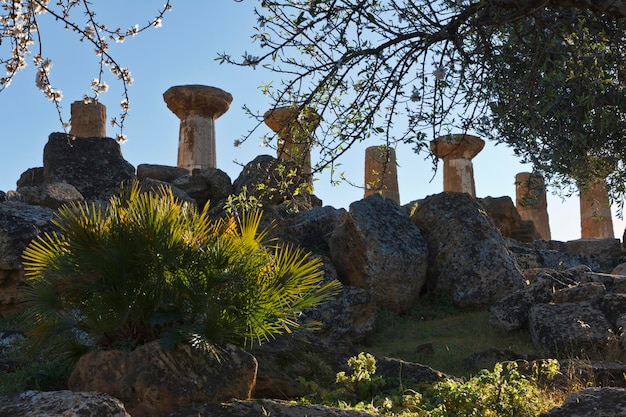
148 267
502 392
362 382
498 393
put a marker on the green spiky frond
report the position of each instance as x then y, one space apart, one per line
147 266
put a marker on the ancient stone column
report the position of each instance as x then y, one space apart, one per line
294 128
88 120
531 202
457 152
197 107
381 174
595 212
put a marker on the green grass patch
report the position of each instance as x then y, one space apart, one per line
437 334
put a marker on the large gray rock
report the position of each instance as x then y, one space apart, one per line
265 407
600 255
511 311
508 220
94 166
61 404
31 178
314 227
19 224
591 373
378 248
592 402
468 260
10 285
50 195
290 359
163 173
153 382
412 373
349 315
261 179
571 330
206 186
150 185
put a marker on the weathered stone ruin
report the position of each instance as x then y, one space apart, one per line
480 253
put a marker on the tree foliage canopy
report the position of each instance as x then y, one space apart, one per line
544 77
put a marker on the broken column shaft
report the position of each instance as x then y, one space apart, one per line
595 212
381 174
88 120
531 202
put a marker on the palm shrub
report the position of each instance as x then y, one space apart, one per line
148 267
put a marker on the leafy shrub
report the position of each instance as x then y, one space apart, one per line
148 267
502 392
498 393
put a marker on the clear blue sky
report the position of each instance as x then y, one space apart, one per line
182 51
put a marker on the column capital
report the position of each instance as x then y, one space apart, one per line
457 146
282 117
184 100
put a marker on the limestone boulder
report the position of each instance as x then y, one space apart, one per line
62 403
265 407
165 173
290 359
511 312
50 195
19 224
619 269
612 283
31 178
600 255
260 178
508 220
217 181
94 166
150 185
209 185
152 381
314 227
468 260
488 358
596 373
349 315
378 248
589 291
613 305
410 372
600 402
11 282
571 330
